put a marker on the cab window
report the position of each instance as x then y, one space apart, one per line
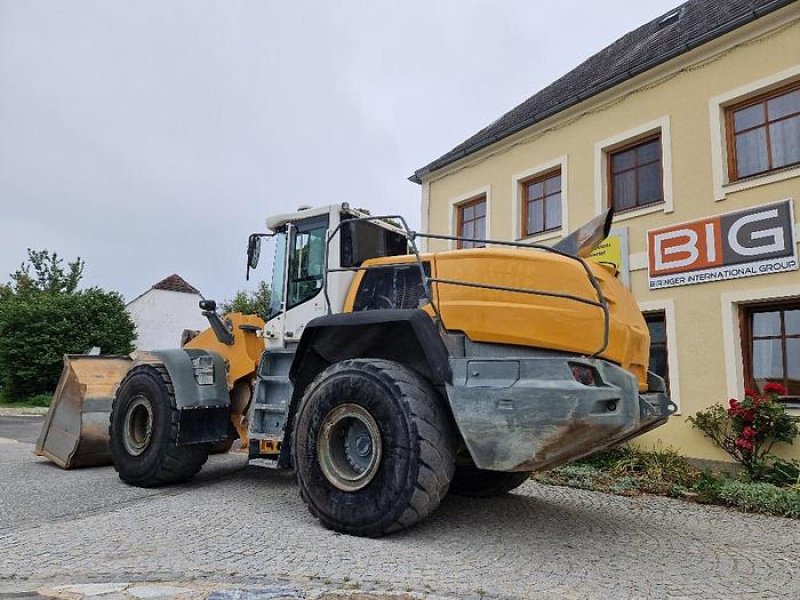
307 261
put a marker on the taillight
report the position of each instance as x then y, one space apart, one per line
585 375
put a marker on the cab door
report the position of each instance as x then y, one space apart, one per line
302 297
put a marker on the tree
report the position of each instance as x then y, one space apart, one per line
43 316
250 302
49 274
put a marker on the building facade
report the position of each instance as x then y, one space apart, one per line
690 128
163 312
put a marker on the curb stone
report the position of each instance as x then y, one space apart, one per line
26 411
178 591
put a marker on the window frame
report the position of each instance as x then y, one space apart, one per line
730 133
307 226
746 312
655 136
667 306
660 315
527 183
460 208
602 147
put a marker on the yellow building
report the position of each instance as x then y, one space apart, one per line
690 127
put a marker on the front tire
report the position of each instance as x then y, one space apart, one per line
144 431
373 447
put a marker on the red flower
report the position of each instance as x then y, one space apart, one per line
734 407
774 388
751 393
748 433
744 444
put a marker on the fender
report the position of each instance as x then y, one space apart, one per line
407 336
204 410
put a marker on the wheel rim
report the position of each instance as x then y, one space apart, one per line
349 448
138 425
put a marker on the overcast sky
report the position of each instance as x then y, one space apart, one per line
151 137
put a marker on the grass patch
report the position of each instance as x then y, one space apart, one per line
630 471
40 400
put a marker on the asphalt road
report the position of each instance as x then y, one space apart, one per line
246 526
21 429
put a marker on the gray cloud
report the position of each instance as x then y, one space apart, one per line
152 137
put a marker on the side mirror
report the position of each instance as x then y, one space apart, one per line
253 250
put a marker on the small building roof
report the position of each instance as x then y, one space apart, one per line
175 283
678 31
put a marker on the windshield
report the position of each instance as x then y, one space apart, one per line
278 276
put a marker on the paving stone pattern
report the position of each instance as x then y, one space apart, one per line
243 526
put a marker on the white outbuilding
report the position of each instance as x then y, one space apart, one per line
164 311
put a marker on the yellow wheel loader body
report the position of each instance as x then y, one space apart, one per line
553 322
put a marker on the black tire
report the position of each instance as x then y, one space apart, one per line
479 483
408 474
146 395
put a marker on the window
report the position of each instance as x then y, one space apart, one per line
541 203
657 325
635 175
771 352
362 240
764 133
278 276
472 222
306 262
392 287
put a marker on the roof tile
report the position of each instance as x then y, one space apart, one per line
656 42
175 283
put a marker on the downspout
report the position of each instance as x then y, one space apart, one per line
425 215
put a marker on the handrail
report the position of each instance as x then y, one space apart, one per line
412 235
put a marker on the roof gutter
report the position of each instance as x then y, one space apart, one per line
602 87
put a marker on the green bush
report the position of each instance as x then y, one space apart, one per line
661 467
784 473
43 316
630 471
759 498
36 330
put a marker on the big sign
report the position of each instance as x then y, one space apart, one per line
755 241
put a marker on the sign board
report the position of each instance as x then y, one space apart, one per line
614 251
745 243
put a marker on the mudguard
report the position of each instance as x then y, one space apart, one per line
204 410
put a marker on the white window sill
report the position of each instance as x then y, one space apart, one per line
542 237
639 212
758 180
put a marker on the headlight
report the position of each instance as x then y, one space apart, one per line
203 370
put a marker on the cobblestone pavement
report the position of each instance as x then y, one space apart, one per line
246 527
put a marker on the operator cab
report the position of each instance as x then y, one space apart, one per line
299 263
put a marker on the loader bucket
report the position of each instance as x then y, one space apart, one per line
75 432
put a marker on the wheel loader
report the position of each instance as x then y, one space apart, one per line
383 376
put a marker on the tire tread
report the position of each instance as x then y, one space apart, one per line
174 463
433 428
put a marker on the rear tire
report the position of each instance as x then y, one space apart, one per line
144 431
373 447
480 483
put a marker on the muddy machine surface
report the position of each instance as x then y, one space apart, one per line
384 376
